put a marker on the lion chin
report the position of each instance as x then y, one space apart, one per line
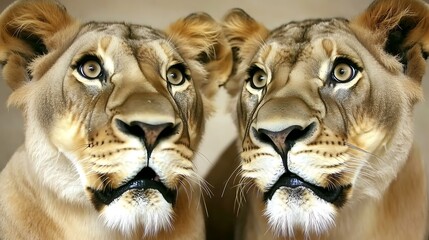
311 215
154 215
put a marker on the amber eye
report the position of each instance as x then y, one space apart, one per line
175 75
259 79
90 68
343 72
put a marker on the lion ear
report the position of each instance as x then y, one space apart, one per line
401 27
244 35
29 29
199 37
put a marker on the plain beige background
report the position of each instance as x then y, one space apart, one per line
159 13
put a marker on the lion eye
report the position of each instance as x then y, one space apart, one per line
343 72
91 69
259 79
175 76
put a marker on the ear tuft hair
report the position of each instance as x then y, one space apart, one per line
198 37
399 26
245 36
240 27
27 30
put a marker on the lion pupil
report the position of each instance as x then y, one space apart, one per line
91 69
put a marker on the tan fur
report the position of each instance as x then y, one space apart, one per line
244 34
351 136
382 17
41 19
193 35
131 126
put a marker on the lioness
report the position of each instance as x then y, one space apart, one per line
114 113
324 117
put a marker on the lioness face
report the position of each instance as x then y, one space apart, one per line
125 111
305 120
320 115
114 111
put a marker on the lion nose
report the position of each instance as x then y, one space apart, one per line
283 140
149 134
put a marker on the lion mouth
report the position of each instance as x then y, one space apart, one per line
290 180
145 179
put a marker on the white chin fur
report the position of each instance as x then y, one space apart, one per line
127 216
286 212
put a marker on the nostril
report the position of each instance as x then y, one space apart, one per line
168 131
263 135
298 133
128 129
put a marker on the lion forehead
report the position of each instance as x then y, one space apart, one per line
142 43
305 30
123 30
300 41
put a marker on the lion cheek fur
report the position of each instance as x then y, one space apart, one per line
131 211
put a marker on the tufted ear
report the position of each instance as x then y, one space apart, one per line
401 28
29 29
199 37
244 35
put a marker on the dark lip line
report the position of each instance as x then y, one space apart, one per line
291 180
108 195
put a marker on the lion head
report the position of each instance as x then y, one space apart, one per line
114 112
324 108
